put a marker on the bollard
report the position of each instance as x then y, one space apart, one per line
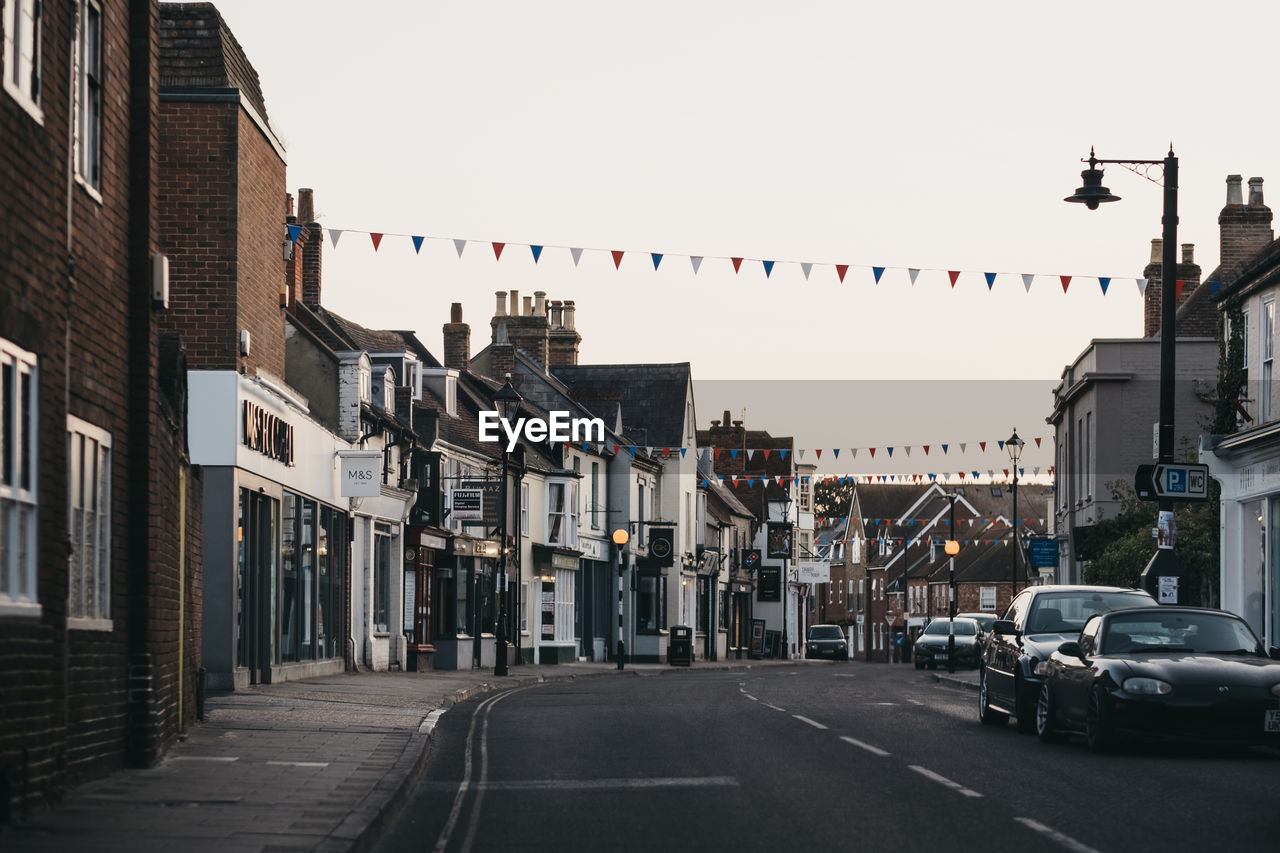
621 651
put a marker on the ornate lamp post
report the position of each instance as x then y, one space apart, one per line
1014 446
952 548
1091 194
508 402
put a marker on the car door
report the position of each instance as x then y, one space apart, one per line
1075 676
1001 661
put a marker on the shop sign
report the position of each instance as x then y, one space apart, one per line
563 561
361 474
592 549
491 502
467 504
267 434
814 571
437 542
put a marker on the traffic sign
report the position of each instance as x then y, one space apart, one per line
1186 482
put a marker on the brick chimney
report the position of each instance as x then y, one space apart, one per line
524 327
1188 274
457 340
311 252
291 287
563 339
1243 229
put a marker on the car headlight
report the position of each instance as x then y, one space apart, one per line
1148 686
1040 668
839 647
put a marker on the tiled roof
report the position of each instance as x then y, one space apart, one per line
652 397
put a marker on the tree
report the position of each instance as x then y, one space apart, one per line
832 498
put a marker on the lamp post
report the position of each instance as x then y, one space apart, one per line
620 538
952 548
1091 194
1014 446
508 402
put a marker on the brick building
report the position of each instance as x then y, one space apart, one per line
99 547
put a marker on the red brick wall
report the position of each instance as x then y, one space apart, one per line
259 208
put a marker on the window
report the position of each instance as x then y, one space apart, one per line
88 93
651 602
987 599
1267 338
1088 455
89 523
595 495
524 509
22 54
1244 335
806 495
18 397
564 605
562 514
382 576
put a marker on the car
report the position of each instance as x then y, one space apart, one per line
984 620
826 641
931 646
1016 653
1162 672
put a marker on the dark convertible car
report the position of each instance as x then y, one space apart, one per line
1162 672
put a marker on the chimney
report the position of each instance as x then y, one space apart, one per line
556 314
1188 279
562 340
527 308
568 314
540 303
500 310
1243 230
311 271
514 311
457 340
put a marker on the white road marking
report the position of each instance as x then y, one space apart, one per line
611 784
299 763
774 707
1053 834
874 750
205 758
813 723
752 698
915 701
943 780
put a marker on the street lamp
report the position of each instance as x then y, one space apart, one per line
952 548
620 538
508 402
1091 194
1014 446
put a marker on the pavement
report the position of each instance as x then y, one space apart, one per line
321 764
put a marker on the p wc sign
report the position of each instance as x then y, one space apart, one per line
360 473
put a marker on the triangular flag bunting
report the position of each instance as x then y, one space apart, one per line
890 449
334 234
1142 284
376 238
459 245
836 451
657 259
737 263
908 449
537 252
696 260
944 450
1178 291
841 269
617 259
733 452
818 450
873 453
954 274
294 231
768 268
991 279
1104 283
806 268
983 445
782 454
877 272
417 244
912 273
1027 278
1066 280
577 255
1037 440
963 445
682 451
926 450
497 250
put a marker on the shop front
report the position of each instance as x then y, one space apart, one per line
465 606
596 596
425 549
554 585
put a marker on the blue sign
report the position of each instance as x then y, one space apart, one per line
1044 552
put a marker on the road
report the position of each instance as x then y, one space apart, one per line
816 757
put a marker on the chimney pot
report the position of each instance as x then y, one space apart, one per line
1255 192
540 303
306 205
455 312
568 314
1157 250
557 313
515 304
726 416
528 307
1234 195
1188 253
288 204
500 310
715 424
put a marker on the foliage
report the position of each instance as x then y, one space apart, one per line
1232 377
831 498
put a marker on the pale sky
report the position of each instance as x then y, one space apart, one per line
931 135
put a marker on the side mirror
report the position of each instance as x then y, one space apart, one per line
1071 649
1004 626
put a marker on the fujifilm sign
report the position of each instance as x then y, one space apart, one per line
559 428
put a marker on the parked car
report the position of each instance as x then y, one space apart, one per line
984 620
931 646
1163 672
826 641
1016 654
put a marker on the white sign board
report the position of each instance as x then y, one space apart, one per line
467 504
361 475
1167 587
814 571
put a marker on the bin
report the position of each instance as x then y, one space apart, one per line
680 646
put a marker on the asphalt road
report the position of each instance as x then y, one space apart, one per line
817 757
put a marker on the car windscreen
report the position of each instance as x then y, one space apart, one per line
1157 631
1066 612
825 632
964 627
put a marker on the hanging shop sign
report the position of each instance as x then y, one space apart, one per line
360 473
467 504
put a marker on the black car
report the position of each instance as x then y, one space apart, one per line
985 621
1016 653
826 641
931 646
1162 672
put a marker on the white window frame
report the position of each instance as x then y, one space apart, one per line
1244 336
524 509
88 526
22 54
19 480
568 514
987 599
1266 357
89 82
566 583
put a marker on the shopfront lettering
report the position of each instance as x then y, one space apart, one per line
267 434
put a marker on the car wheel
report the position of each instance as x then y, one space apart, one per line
1099 731
988 715
1046 718
1024 708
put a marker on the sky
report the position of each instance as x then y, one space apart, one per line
929 135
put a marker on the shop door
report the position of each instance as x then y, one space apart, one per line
258 521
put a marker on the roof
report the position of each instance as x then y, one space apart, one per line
652 397
199 51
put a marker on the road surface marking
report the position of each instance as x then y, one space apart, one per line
611 784
1064 840
915 701
943 780
205 758
752 698
874 750
813 723
299 763
775 707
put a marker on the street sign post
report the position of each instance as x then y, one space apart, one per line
1179 482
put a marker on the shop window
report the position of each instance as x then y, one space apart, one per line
564 605
89 524
381 577
651 603
18 480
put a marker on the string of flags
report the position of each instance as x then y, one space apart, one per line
753 453
751 480
536 252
